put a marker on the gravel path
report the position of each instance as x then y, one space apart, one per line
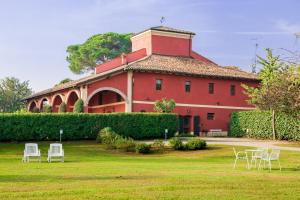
248 142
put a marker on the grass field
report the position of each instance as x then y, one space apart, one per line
91 172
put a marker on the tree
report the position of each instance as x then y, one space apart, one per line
279 88
62 107
78 106
12 92
66 80
164 105
96 50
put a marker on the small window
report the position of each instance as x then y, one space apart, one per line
187 86
210 116
232 90
158 84
119 98
211 88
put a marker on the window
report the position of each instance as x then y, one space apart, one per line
158 84
211 88
119 98
232 90
143 111
187 86
210 116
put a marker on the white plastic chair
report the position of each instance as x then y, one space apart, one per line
273 156
56 151
31 150
241 155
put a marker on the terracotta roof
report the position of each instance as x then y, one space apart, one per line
188 66
167 29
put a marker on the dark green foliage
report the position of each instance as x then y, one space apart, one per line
62 108
142 148
64 81
176 143
125 144
47 109
184 135
195 144
44 126
78 106
258 124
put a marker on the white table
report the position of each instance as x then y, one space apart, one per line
253 158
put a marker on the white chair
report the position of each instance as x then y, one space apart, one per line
56 151
258 155
241 155
273 156
31 150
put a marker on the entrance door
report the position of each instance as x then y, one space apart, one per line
197 125
187 124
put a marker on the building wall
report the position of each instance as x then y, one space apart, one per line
173 87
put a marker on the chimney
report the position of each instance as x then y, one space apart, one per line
123 58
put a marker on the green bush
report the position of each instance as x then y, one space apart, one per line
176 143
78 106
158 145
195 144
36 110
62 108
142 148
125 144
47 109
258 124
184 135
107 136
46 126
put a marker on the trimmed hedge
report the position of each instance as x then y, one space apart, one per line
259 125
44 126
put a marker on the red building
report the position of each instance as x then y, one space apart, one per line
162 65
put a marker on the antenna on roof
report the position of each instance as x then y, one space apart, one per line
162 20
255 56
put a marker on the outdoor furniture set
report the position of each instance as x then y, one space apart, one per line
257 157
32 151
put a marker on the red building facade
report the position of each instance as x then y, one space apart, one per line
162 65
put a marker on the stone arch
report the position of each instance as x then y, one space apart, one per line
56 101
31 105
41 105
114 100
71 98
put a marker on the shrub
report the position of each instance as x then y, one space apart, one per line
29 126
36 110
125 144
258 124
158 145
62 108
47 109
195 144
78 106
184 135
108 137
142 148
176 143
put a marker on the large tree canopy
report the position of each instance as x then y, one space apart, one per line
96 50
12 91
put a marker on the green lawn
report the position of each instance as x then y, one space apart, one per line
91 172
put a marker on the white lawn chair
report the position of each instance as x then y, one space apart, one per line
241 155
31 150
273 156
258 155
56 151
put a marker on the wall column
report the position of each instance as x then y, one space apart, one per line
128 107
83 96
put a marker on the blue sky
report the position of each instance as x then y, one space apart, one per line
34 34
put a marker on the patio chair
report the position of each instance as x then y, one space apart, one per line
56 151
241 155
273 156
258 155
31 150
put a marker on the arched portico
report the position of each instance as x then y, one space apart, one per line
45 101
56 101
31 106
107 100
71 98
